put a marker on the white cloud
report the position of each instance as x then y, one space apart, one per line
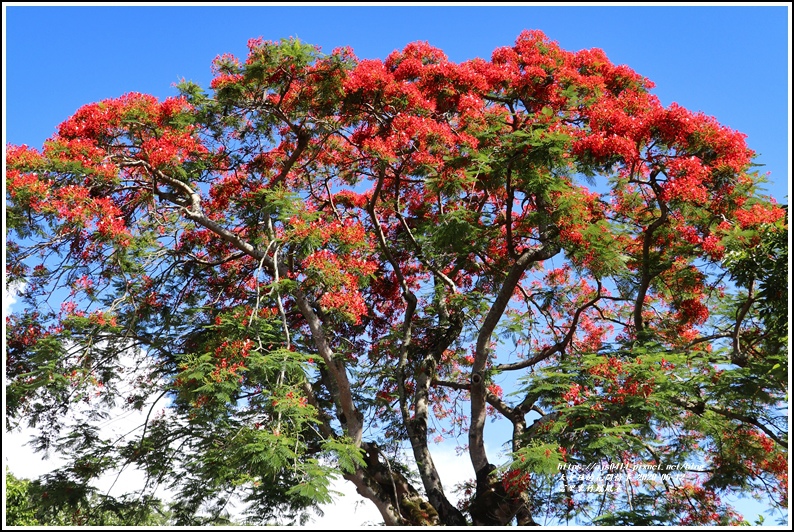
9 297
23 462
349 510
20 458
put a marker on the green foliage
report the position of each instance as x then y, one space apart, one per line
628 404
767 264
57 501
348 456
537 457
20 510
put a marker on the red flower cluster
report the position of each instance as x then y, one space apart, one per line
617 382
515 482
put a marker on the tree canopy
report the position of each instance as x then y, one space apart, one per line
320 264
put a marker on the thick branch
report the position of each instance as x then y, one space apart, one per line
739 358
353 419
390 514
645 281
477 453
303 142
398 501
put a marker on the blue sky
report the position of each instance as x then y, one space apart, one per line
731 62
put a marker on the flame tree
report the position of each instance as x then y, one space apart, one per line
322 263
